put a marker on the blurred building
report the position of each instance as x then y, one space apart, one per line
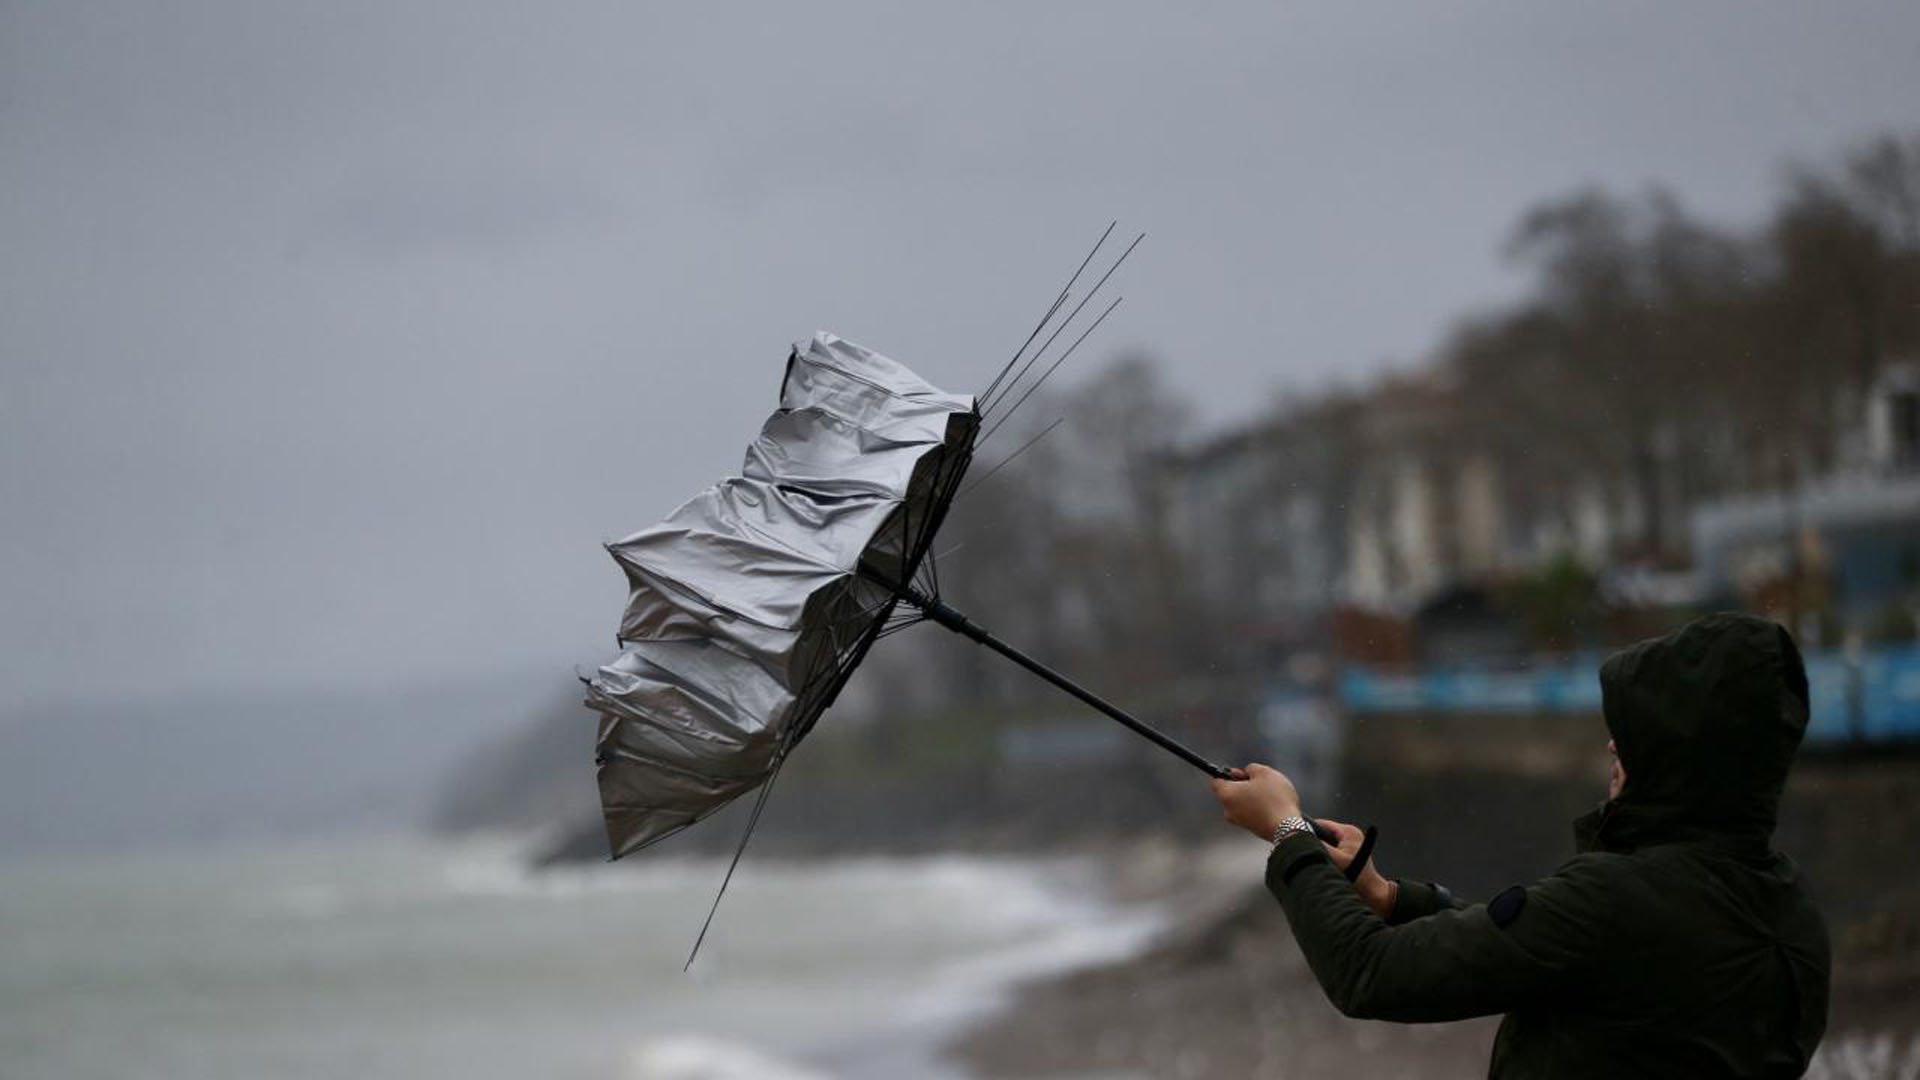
1841 551
1323 524
1261 515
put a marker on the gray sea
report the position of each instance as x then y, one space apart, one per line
406 957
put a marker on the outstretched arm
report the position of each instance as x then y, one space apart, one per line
1451 964
1408 951
1261 797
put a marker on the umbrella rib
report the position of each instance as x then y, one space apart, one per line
906 531
1043 323
753 821
1007 390
1051 311
1058 302
1008 459
927 568
923 570
1049 372
839 665
863 613
1070 316
947 479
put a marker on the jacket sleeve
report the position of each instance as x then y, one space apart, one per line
1419 899
1453 963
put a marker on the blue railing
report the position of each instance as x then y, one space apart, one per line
1874 698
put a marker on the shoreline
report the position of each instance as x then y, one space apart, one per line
1118 909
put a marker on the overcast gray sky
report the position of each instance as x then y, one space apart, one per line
336 336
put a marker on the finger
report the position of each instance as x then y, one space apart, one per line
1238 774
1257 769
1346 838
1340 828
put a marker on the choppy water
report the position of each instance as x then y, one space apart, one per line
403 958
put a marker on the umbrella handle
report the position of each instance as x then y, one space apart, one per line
937 610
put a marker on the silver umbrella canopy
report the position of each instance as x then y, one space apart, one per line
752 603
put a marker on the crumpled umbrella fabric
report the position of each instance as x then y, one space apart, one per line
749 606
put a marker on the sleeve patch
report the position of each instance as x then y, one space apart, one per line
1505 908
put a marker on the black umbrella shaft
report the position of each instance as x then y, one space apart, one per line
939 612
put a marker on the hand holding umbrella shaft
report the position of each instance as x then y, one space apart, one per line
1258 797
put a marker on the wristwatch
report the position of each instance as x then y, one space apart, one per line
1289 826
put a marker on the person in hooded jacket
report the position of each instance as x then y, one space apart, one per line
1677 943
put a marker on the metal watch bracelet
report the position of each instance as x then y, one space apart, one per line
1289 826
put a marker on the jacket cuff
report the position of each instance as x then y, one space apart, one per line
1290 856
1417 900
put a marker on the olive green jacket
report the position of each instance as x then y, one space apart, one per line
1675 944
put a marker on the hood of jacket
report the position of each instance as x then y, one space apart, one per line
1706 721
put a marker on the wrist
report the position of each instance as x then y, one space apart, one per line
1287 826
1380 893
1285 813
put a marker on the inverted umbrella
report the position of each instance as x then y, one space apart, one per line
750 606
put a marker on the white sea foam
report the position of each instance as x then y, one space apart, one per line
695 1057
456 959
